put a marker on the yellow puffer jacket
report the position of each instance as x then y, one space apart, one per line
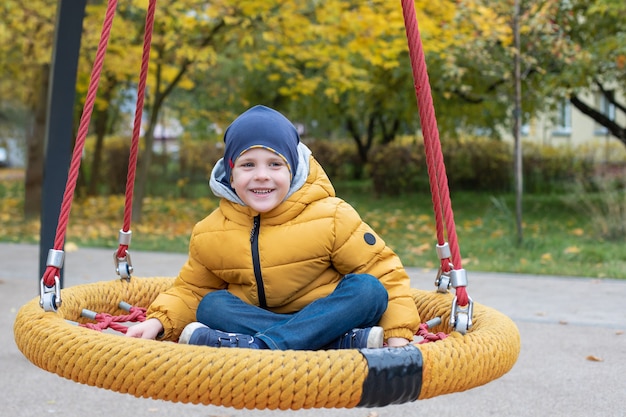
307 244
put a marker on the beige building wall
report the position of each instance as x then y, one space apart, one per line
569 127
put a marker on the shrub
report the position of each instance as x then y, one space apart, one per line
338 159
604 203
550 169
197 158
471 164
115 164
397 169
479 164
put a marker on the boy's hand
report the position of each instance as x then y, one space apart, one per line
397 342
148 329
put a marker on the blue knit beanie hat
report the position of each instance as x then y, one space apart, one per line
260 127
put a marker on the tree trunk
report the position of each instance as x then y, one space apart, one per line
161 92
35 149
388 133
362 147
100 129
143 165
517 122
614 129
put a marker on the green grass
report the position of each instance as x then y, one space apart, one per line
560 238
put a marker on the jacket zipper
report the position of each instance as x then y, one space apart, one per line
256 260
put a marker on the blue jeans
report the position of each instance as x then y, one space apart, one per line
358 301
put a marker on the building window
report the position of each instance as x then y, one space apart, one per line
607 108
525 129
563 125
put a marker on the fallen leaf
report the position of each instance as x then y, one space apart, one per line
572 250
421 248
563 322
70 247
593 358
546 258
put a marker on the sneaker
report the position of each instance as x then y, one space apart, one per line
371 337
199 334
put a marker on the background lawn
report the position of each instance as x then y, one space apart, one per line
560 237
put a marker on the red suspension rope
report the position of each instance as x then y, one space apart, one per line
434 157
134 150
53 271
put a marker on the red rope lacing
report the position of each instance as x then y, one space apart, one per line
52 271
134 150
434 156
107 321
428 336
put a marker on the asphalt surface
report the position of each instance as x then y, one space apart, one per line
572 362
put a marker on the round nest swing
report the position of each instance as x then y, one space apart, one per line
473 351
246 378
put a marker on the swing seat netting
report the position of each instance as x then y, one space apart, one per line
261 379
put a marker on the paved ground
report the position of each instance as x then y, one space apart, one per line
563 322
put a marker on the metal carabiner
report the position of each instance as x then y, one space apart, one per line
50 297
461 316
123 266
443 281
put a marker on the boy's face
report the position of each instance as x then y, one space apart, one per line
261 179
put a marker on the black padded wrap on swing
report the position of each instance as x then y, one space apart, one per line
394 376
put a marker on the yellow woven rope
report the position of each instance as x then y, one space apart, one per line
460 362
243 378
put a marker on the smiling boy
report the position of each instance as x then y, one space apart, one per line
282 263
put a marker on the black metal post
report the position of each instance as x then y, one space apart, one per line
61 96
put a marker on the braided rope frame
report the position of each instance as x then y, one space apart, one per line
244 378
